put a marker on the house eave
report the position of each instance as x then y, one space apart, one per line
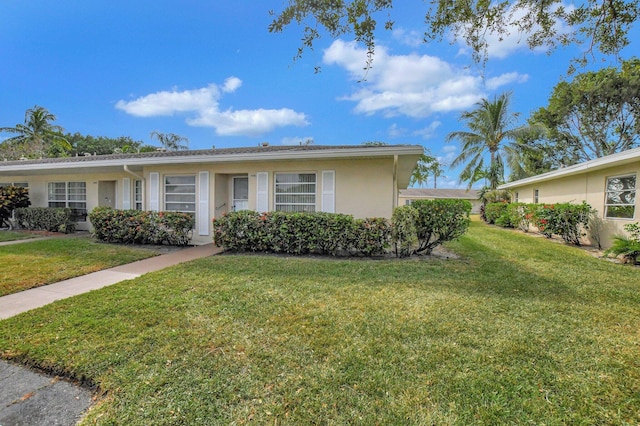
618 159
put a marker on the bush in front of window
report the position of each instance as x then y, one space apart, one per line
300 233
11 198
141 227
628 247
510 215
566 220
52 219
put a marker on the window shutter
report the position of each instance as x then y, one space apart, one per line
262 191
154 191
126 193
329 191
203 203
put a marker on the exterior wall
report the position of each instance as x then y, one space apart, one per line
589 187
363 187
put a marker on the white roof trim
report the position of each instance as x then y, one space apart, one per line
224 158
619 158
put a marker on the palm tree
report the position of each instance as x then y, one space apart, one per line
436 170
171 141
423 168
489 126
37 137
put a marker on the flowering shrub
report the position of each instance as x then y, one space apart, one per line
496 213
11 198
569 221
141 227
440 221
52 219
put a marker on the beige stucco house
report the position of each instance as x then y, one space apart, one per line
410 194
359 180
609 184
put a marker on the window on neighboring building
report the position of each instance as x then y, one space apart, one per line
536 197
69 194
137 194
516 197
180 194
295 192
620 197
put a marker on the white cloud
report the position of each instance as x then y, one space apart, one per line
203 103
410 38
296 140
410 85
429 131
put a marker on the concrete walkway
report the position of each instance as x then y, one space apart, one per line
17 303
31 398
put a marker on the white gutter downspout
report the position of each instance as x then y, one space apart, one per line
395 181
126 169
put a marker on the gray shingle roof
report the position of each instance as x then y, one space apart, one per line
464 194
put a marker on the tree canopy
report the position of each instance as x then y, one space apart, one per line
600 25
596 114
38 137
171 141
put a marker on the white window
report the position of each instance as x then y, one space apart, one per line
69 194
536 196
295 192
180 194
137 194
516 197
620 197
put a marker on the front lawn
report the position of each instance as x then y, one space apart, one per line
15 235
519 330
35 263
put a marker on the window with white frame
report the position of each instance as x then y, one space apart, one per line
295 192
536 196
180 194
516 197
137 194
620 197
69 194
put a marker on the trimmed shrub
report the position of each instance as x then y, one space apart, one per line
141 227
496 213
568 221
520 215
300 233
371 237
404 235
11 198
52 219
440 221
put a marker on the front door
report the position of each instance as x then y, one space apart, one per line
107 193
240 193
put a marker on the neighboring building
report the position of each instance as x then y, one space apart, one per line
471 195
359 180
609 184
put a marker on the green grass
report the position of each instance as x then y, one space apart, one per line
15 235
518 331
35 263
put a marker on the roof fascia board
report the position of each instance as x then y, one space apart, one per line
620 158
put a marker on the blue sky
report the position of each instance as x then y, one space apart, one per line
211 71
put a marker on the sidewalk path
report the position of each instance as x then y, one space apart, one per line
17 303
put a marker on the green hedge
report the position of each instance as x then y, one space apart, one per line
440 221
53 219
141 227
566 220
11 198
301 233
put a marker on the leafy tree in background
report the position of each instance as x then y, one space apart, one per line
490 126
171 141
599 25
596 114
36 138
101 145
